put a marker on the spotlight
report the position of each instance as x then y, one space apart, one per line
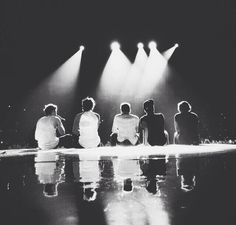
152 44
176 45
140 45
81 47
115 45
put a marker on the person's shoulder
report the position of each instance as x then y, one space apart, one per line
96 114
118 115
143 117
194 114
56 118
177 115
134 116
41 119
78 114
160 115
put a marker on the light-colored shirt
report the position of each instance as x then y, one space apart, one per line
45 132
86 126
126 126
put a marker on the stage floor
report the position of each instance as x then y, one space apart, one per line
169 185
130 151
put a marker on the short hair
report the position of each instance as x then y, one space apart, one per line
88 103
49 108
148 105
125 107
184 106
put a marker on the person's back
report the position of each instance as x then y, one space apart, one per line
45 132
86 125
48 127
88 128
152 125
126 127
186 125
155 125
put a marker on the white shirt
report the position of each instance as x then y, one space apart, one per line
126 126
88 129
45 133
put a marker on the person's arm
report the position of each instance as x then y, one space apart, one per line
75 129
162 121
137 127
145 136
99 119
36 134
114 126
197 129
143 132
59 126
176 124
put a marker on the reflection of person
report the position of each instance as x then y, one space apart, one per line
187 169
152 126
49 170
89 194
186 125
47 128
128 185
154 169
125 127
86 125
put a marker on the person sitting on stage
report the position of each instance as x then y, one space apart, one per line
152 126
86 125
47 128
125 127
186 125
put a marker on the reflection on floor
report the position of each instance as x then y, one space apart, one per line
155 185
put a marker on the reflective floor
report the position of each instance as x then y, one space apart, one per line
67 187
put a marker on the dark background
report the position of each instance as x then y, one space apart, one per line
37 36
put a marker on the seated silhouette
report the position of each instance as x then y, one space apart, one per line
186 125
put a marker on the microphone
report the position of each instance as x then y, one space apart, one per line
61 118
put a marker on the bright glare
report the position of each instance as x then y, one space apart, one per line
115 45
63 80
169 52
176 45
134 75
152 74
152 44
140 45
114 75
134 207
81 48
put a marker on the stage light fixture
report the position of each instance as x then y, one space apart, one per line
115 45
176 45
140 45
152 44
81 47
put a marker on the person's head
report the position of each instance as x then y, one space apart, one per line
148 106
88 104
184 106
125 108
50 109
90 194
128 185
50 190
151 186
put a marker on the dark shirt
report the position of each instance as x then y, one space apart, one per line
186 125
155 125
